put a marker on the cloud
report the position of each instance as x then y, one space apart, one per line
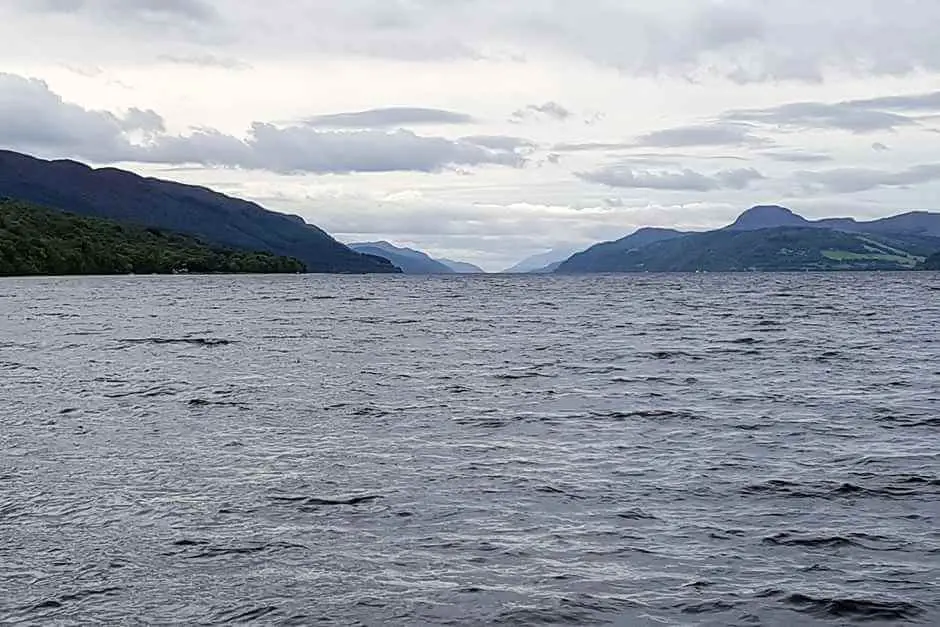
796 156
145 10
388 117
743 40
880 147
297 149
676 180
850 180
500 142
804 116
593 146
702 135
915 102
35 119
206 60
548 110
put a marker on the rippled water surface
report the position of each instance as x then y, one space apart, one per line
639 450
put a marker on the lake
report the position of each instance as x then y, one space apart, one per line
753 449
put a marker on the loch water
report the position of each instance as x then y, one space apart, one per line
751 449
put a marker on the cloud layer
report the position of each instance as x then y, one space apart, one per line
33 118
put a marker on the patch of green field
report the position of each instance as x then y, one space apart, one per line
844 255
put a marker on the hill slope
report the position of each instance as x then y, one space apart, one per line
774 249
208 215
409 260
36 241
771 216
600 257
932 262
462 267
541 262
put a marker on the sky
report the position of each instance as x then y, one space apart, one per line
489 130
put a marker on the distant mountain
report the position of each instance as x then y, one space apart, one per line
39 241
601 257
540 262
770 216
773 249
207 215
766 217
550 268
770 237
462 267
409 260
913 223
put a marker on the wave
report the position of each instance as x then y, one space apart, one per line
316 501
193 341
859 609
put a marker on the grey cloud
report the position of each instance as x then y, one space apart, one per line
849 180
816 115
702 135
916 102
744 40
551 110
880 147
676 180
147 121
796 157
191 10
500 142
300 149
738 179
35 119
592 146
388 117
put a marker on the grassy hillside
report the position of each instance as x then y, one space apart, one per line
932 262
774 249
37 241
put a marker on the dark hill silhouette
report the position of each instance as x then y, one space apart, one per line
208 215
765 217
601 257
409 260
770 216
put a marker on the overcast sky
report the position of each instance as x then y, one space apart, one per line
487 130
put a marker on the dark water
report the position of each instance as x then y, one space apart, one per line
641 450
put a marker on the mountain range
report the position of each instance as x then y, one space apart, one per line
196 211
772 216
771 238
413 261
766 237
541 263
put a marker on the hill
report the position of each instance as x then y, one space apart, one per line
37 241
207 215
542 262
932 262
409 260
462 267
600 257
771 216
772 249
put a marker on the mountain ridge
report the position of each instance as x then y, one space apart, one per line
769 238
409 260
210 216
